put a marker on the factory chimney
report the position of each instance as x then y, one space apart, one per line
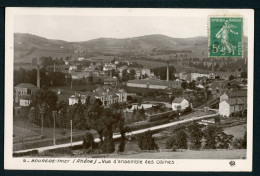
38 76
167 71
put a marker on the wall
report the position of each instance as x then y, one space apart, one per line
157 87
136 85
224 109
174 106
24 102
184 104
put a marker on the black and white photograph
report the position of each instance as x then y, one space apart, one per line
129 89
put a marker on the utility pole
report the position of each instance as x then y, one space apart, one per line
71 133
42 112
54 114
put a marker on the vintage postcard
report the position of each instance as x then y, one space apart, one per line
129 89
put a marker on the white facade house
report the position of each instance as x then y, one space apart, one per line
75 99
180 104
73 68
24 90
109 95
227 107
24 102
200 86
81 59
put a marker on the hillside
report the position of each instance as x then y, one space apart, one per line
27 46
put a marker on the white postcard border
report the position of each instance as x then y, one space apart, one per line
179 164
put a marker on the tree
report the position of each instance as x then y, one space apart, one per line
192 85
177 141
243 74
63 117
31 116
217 119
195 135
108 145
217 77
244 143
88 141
90 78
210 133
216 138
231 77
146 141
238 143
46 101
184 85
115 106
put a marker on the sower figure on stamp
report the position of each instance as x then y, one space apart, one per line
223 34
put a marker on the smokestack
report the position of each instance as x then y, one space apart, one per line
110 73
38 76
54 69
167 71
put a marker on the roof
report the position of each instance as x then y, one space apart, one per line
26 97
237 94
106 91
26 85
178 100
152 82
110 79
235 101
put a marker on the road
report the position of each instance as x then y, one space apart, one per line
116 136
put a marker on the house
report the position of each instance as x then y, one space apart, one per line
75 99
154 84
58 68
73 68
194 76
81 59
22 89
180 104
110 81
109 66
226 75
109 95
229 106
200 86
237 94
80 75
25 100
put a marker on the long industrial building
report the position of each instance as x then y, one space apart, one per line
154 84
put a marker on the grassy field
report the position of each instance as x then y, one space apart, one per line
102 58
179 67
44 53
223 154
236 131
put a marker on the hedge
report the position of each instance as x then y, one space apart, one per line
32 152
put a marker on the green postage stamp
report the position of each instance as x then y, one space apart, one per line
225 37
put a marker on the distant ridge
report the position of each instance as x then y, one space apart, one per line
27 46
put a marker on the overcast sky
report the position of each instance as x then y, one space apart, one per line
75 28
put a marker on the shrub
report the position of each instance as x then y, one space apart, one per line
88 141
146 141
177 141
32 152
108 145
237 143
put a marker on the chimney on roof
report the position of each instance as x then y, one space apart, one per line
167 71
